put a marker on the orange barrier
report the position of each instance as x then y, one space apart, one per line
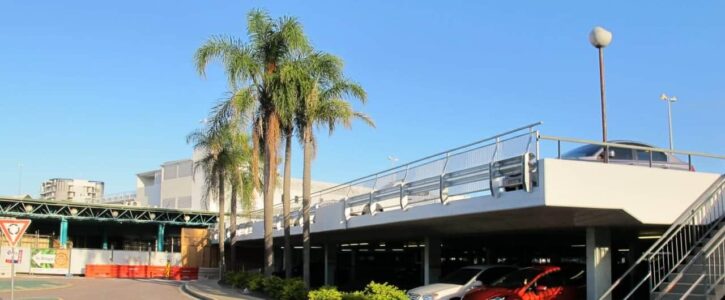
102 271
141 271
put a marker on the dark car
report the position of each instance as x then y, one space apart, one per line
534 283
628 156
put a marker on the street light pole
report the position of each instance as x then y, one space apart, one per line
669 100
600 38
603 96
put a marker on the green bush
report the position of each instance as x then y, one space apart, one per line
272 286
237 279
325 293
384 291
228 277
354 296
254 282
293 289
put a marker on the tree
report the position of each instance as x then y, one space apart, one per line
288 132
252 70
242 181
215 164
321 89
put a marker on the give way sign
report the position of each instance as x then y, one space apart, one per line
13 229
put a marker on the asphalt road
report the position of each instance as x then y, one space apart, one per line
94 288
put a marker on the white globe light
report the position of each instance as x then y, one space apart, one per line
600 37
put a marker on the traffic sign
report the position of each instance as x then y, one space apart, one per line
13 229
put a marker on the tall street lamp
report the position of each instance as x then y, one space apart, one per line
600 38
670 100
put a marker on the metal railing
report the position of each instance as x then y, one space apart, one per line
715 264
450 175
676 248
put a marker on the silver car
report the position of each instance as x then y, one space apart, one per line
628 156
456 284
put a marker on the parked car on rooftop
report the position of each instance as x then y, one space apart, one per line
453 286
628 156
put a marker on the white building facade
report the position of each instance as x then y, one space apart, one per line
176 185
77 190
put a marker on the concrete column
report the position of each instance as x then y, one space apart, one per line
330 263
353 260
160 237
599 261
63 233
105 239
431 260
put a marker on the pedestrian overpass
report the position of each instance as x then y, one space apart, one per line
517 182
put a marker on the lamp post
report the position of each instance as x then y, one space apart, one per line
670 100
600 38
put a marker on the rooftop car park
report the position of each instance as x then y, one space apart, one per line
517 198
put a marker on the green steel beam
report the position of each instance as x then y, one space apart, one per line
39 209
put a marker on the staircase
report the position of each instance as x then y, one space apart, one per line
688 261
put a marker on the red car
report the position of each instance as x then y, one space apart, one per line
534 283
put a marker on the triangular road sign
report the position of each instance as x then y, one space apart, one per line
13 229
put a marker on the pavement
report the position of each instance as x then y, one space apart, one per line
58 288
209 289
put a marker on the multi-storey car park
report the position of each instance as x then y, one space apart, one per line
637 229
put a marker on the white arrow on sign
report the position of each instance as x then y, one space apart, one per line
43 258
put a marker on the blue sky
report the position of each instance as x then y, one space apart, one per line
104 90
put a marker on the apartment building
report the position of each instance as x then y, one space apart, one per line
77 190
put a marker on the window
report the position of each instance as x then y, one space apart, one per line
583 151
621 153
492 274
460 276
551 280
656 156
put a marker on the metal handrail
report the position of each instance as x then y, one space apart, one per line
684 219
322 191
445 155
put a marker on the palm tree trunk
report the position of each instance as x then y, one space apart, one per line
271 143
222 229
286 205
233 223
306 194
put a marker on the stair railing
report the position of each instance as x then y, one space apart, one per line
680 240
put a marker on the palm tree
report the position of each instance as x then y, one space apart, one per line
215 164
288 131
252 70
322 90
241 181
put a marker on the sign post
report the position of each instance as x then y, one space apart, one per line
13 230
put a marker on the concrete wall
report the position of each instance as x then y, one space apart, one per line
651 195
571 193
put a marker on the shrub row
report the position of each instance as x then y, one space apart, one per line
272 286
373 291
294 289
